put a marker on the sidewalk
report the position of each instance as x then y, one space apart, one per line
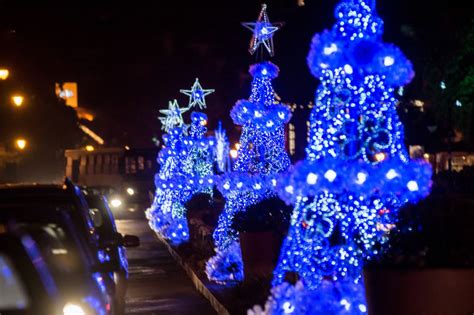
157 284
225 300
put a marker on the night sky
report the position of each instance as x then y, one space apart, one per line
130 59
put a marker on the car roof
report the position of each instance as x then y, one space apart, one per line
33 189
37 196
25 193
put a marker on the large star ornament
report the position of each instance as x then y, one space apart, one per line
197 95
172 116
263 32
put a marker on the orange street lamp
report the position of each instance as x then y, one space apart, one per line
4 73
233 153
90 148
18 100
21 143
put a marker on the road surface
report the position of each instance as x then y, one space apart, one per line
157 284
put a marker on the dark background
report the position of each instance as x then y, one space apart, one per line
129 59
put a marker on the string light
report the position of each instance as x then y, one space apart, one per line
354 131
186 163
261 155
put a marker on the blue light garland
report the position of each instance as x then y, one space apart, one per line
357 172
199 160
185 169
297 300
261 156
165 213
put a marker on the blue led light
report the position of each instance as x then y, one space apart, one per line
263 32
185 162
173 116
261 156
197 95
357 172
221 149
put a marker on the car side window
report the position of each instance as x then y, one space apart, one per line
96 217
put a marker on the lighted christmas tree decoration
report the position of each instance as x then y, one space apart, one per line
261 156
197 95
356 174
173 116
166 212
263 32
186 167
199 160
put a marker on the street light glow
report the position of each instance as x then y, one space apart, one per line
115 203
233 153
20 143
4 73
17 100
89 148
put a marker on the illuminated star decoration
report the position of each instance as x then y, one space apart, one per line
172 116
197 95
263 32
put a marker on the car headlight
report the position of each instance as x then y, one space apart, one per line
115 202
73 309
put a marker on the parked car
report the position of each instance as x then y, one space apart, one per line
26 284
113 242
80 277
42 202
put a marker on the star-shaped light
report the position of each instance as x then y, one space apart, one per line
172 116
197 95
263 32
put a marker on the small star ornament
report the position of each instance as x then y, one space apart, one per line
263 32
172 116
197 95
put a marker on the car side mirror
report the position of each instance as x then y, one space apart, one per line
130 241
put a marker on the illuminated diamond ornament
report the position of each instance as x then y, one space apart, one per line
172 116
197 95
221 150
263 32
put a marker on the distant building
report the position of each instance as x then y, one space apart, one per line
117 167
460 159
297 131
